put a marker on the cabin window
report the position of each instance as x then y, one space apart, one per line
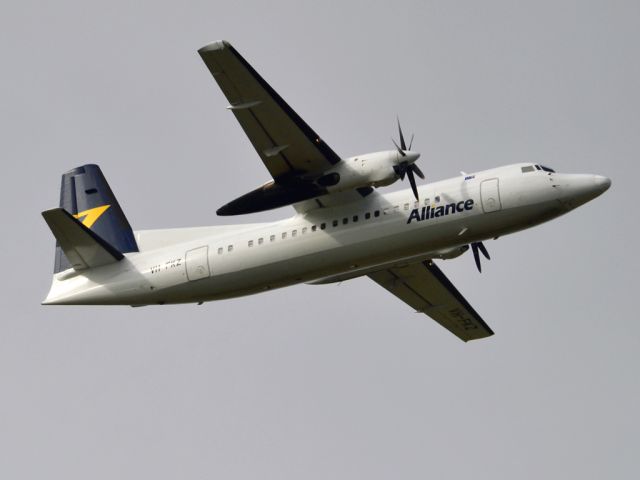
304 230
220 250
294 233
260 241
345 221
355 218
314 228
335 223
528 168
406 206
284 235
323 226
230 248
426 202
272 238
367 215
437 199
250 243
376 213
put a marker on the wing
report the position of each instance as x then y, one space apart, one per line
285 143
424 287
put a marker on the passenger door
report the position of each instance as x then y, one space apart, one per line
490 193
197 261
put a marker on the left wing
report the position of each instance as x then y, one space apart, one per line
293 153
425 288
283 140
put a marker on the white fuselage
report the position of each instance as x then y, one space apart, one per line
211 263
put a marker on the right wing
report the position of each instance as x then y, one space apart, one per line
425 288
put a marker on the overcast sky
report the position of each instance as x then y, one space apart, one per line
340 381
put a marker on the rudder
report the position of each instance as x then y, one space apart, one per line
86 195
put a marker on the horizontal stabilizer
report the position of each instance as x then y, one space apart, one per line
82 247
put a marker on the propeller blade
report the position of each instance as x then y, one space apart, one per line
417 171
476 256
401 170
400 151
412 181
402 144
484 250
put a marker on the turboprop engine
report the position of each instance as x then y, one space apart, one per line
377 169
449 253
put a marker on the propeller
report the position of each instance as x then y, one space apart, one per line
476 247
407 167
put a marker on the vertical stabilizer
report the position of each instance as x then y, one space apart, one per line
86 195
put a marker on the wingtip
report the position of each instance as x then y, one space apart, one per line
214 46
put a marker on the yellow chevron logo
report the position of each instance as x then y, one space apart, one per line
89 217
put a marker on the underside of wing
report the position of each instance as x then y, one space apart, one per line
335 199
294 154
285 143
425 288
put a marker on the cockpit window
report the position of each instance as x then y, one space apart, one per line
545 169
528 168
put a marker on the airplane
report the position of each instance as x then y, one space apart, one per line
343 226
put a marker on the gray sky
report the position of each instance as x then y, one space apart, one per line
332 381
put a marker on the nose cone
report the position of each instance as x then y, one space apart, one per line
410 157
576 190
601 183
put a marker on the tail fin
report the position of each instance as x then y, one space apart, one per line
86 195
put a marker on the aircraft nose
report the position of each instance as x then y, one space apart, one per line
578 189
601 183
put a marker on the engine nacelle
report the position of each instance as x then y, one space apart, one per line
370 170
449 253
